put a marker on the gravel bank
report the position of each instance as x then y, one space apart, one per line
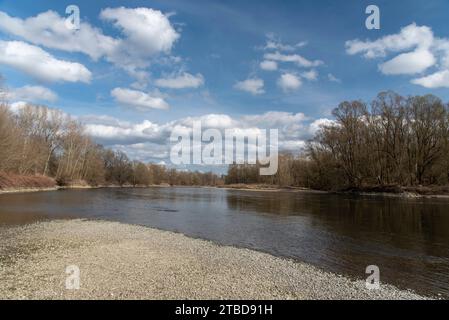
119 261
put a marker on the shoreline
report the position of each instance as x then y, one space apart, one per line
26 190
75 187
121 261
400 195
248 188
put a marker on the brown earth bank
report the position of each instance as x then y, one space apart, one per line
14 183
10 182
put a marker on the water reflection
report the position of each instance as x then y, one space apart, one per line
407 239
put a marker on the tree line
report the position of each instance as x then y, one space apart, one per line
37 140
394 140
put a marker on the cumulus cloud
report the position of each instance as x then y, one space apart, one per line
276 55
181 81
145 32
217 121
125 134
409 63
138 100
32 94
268 65
422 51
316 125
409 37
109 131
294 58
291 126
289 82
439 79
254 86
150 141
48 29
40 64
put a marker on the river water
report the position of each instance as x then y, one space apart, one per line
408 239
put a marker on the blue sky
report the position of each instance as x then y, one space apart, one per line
194 59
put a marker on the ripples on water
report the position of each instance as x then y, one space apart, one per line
407 239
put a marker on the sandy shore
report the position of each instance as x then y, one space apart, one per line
119 261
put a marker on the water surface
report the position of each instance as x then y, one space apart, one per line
407 239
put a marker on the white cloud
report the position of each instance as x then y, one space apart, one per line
439 79
311 75
48 29
41 64
409 37
273 119
114 132
294 58
253 86
268 65
146 33
139 100
181 81
32 94
148 140
318 124
424 51
442 48
217 121
333 78
127 134
409 63
273 43
289 82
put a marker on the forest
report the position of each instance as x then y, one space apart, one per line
392 142
38 142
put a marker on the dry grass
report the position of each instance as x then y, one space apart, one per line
10 181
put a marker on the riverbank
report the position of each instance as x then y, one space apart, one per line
267 188
249 188
119 261
387 191
73 187
12 183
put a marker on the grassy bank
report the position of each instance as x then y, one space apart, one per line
119 261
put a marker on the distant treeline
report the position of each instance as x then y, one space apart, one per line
395 140
37 141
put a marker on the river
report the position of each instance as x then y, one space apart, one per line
408 239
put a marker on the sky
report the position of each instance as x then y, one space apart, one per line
136 70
